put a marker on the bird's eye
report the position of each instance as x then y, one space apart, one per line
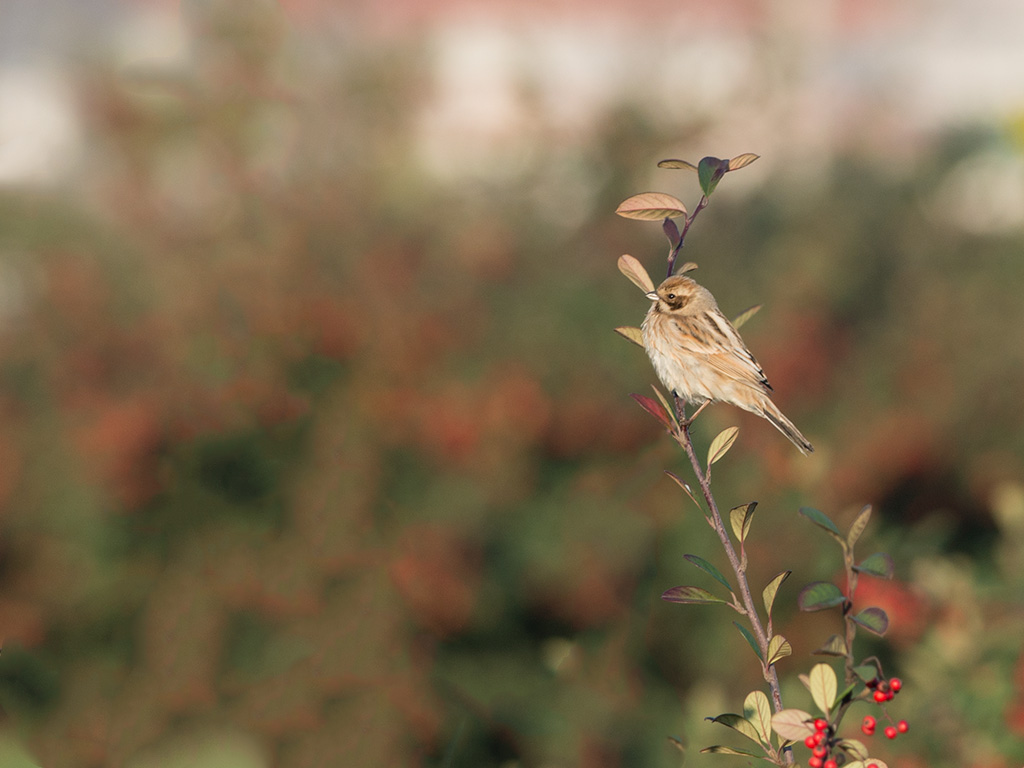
670 296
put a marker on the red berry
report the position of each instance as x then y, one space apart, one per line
895 684
902 726
890 732
810 742
820 724
820 751
868 726
881 696
819 737
831 764
815 762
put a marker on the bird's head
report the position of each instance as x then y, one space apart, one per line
676 293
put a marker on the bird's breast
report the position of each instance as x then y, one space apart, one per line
678 371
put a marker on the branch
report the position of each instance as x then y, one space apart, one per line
674 253
739 567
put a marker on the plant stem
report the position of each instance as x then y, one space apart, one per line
682 235
738 566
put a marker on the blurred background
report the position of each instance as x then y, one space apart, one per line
317 447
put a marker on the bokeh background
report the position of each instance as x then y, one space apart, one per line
317 447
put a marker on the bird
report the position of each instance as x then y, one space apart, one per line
700 357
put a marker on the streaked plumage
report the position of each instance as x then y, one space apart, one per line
698 354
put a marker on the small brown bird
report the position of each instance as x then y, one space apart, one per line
698 354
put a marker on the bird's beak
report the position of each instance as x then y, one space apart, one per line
653 295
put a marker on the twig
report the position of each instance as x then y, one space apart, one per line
738 565
674 253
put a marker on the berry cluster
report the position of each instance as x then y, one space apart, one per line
820 742
891 731
884 690
824 738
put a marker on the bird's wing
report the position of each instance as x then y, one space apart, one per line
710 337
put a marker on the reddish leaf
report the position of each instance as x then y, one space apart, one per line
654 408
671 232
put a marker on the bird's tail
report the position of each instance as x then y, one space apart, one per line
786 427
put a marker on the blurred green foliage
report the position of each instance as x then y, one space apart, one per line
312 458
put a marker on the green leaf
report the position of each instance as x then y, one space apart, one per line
738 724
709 569
834 646
740 518
822 685
773 587
651 206
745 315
722 443
873 620
718 749
691 596
710 171
778 648
878 564
758 710
847 691
819 596
677 164
866 672
793 724
750 639
859 524
630 333
742 161
821 519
